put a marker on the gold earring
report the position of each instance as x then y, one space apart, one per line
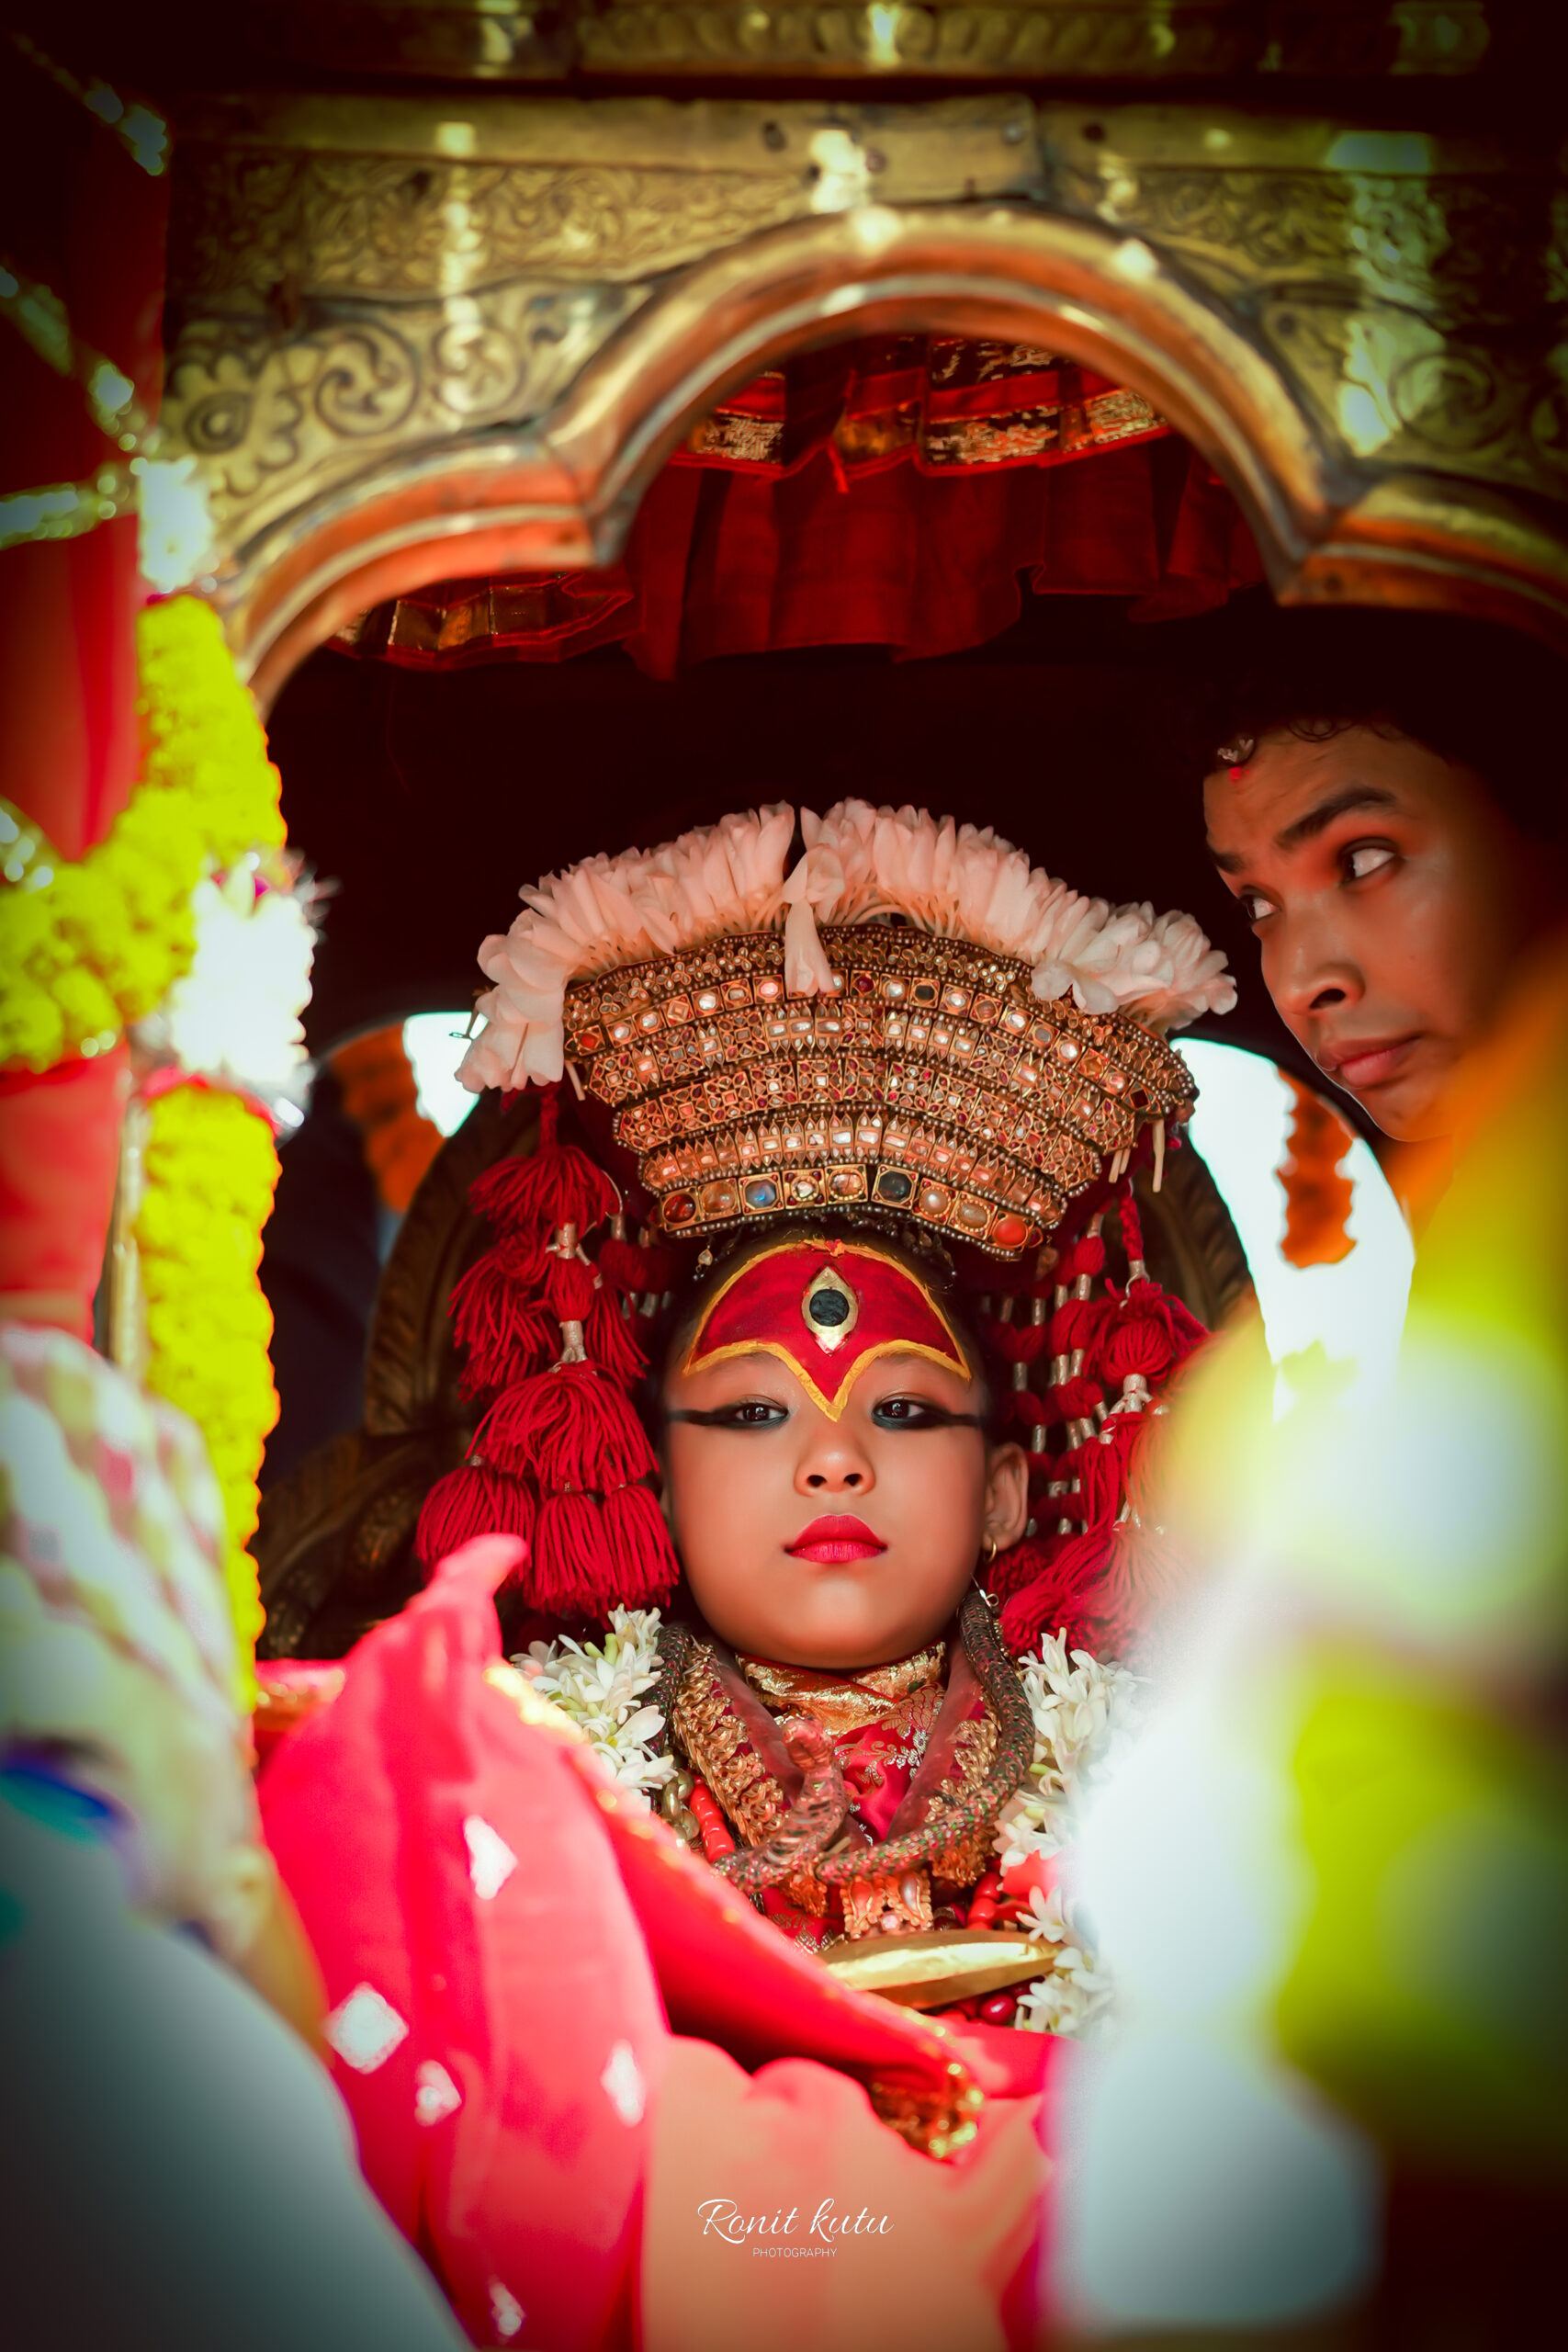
992 1548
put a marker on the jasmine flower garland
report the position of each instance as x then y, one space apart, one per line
599 1686
1082 1709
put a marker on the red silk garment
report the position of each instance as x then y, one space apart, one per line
771 1305
524 2111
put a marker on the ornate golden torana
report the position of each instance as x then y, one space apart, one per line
415 335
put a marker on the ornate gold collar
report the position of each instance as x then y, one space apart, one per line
843 1703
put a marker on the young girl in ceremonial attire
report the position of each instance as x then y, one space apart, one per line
695 1975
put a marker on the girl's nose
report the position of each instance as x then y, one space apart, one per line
832 1463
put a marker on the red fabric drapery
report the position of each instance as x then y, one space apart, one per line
84 225
897 493
84 220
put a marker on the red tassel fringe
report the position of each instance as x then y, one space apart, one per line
572 1568
569 1428
554 1186
473 1499
646 1567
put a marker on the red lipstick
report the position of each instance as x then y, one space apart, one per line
833 1542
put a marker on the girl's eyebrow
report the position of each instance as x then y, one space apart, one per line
721 1413
937 1412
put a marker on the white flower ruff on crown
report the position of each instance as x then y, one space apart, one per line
719 881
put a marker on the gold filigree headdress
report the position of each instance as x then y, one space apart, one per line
963 1041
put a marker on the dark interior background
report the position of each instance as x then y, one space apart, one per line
428 800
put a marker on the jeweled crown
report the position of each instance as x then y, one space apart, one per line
928 1079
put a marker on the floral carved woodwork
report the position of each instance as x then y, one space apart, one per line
1422 313
399 319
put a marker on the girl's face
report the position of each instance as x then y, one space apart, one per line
843 1543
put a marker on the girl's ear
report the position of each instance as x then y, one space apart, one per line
1007 1494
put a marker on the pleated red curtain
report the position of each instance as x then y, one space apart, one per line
901 493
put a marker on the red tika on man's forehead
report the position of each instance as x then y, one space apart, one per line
826 1309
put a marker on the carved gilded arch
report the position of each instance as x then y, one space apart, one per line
397 332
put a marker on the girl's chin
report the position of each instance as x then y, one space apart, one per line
836 1619
832 1649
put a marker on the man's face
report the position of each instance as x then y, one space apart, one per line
1389 897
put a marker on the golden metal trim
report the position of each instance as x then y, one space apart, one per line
938 1966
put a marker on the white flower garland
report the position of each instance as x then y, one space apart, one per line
861 862
1081 1709
599 1686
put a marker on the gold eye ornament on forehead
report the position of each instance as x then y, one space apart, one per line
829 1309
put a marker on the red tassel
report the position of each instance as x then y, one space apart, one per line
569 1288
645 1567
1019 1566
1062 1596
1073 1400
505 1336
569 1428
1074 1326
611 1342
556 1185
1045 1470
1101 1469
1138 1342
1084 1256
1016 1343
627 1268
573 1574
1173 1326
473 1499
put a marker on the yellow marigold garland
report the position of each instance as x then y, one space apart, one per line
95 944
209 1167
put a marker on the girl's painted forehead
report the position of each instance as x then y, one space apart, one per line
826 1309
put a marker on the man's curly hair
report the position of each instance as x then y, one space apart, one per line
1478 695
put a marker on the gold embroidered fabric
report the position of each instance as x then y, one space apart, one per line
716 1748
972 1751
844 1702
906 1697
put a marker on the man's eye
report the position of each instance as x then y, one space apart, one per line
1368 857
1254 905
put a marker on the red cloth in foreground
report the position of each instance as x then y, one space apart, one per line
513 1953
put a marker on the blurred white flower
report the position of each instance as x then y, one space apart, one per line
1081 1709
177 537
233 1017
